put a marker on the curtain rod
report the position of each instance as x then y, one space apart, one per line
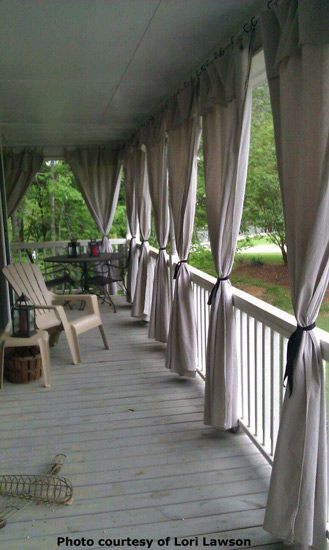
248 27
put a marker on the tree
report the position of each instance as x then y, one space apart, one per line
54 209
200 220
263 205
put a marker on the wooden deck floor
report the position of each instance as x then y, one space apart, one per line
142 463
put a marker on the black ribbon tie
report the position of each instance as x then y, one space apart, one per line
177 268
215 288
294 343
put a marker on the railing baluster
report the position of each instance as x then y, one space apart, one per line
267 388
252 373
203 363
260 379
245 381
241 368
248 369
206 326
263 383
198 326
256 377
237 325
276 387
272 393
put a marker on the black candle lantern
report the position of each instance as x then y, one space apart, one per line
73 249
23 318
93 248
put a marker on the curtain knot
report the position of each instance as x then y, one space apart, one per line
142 243
216 287
294 343
177 268
129 251
162 248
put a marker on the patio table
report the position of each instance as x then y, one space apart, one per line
83 261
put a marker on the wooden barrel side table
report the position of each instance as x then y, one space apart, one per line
40 339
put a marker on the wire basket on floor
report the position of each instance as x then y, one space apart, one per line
42 488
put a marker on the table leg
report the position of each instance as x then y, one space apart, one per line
83 282
85 277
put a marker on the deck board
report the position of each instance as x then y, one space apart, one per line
138 454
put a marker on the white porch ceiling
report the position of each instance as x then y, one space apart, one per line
76 72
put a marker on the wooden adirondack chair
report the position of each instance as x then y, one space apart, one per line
50 313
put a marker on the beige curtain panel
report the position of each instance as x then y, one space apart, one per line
131 209
155 141
184 131
19 171
226 107
97 172
297 63
4 260
143 292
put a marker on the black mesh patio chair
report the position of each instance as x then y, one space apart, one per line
105 274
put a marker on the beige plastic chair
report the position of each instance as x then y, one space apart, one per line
50 314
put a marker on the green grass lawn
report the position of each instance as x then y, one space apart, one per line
258 257
254 241
201 258
275 294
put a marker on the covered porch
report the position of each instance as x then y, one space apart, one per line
184 428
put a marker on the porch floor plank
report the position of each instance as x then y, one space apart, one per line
142 463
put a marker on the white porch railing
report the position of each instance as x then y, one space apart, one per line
49 248
262 332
